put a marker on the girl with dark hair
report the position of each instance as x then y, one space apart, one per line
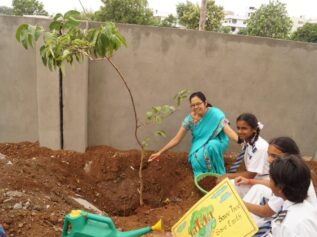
207 125
260 200
253 152
289 180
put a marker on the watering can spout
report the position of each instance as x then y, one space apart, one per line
135 233
158 226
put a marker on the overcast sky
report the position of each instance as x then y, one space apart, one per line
307 8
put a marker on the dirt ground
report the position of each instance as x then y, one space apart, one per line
37 185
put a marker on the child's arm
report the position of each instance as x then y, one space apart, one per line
245 181
246 174
230 132
259 210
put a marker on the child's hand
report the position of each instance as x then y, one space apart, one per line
241 180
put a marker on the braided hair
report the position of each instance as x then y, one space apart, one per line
252 121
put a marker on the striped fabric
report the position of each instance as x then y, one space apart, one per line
264 230
234 167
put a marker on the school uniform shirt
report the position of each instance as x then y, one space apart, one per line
300 221
256 160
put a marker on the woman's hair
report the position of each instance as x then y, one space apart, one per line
285 145
201 96
252 121
292 176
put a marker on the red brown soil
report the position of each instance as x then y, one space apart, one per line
208 183
108 178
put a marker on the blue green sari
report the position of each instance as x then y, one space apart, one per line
208 143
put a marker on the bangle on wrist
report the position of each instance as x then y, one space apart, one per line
249 181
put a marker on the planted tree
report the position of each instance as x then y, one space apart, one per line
66 42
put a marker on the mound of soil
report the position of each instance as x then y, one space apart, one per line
37 187
208 183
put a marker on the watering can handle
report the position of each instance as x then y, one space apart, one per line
103 219
65 228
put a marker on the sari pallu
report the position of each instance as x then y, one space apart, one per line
208 143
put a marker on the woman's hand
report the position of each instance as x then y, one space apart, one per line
155 156
241 180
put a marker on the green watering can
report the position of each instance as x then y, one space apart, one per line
79 223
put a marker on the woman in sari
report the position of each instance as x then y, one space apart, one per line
209 127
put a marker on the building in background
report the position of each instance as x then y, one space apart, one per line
301 21
236 22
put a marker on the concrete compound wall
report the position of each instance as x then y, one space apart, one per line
274 79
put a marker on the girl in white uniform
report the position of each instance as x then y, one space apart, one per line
261 193
253 153
290 179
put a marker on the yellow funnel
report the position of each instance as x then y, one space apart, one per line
158 226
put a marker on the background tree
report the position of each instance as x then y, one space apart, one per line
28 7
243 31
169 21
307 33
6 10
270 20
225 29
127 11
202 16
188 14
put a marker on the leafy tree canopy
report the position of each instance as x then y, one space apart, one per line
169 21
66 41
28 7
127 11
6 10
188 15
270 20
306 33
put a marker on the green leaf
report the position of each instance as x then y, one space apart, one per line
156 109
160 133
167 109
71 13
20 31
66 52
24 43
149 115
55 25
38 32
145 142
57 17
158 120
30 40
